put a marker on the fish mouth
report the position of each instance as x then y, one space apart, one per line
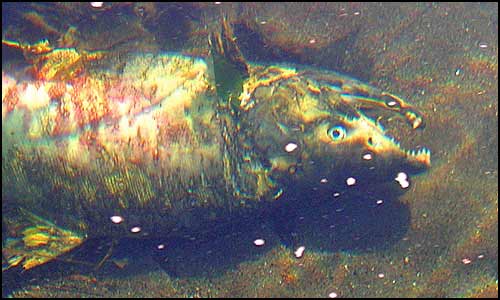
422 156
418 157
386 154
418 161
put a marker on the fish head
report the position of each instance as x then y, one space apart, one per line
293 122
356 149
308 139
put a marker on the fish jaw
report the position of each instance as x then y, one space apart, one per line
362 150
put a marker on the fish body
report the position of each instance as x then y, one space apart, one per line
148 147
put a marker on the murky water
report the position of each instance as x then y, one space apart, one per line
436 238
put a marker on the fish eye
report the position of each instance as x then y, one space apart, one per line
337 133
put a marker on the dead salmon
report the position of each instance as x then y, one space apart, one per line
156 144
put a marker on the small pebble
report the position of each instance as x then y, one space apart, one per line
259 242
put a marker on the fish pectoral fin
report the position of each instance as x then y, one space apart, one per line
29 240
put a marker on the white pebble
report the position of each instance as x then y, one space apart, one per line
135 229
367 156
116 219
299 252
259 242
96 4
290 147
402 176
351 181
402 179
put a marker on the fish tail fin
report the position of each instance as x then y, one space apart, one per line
29 240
